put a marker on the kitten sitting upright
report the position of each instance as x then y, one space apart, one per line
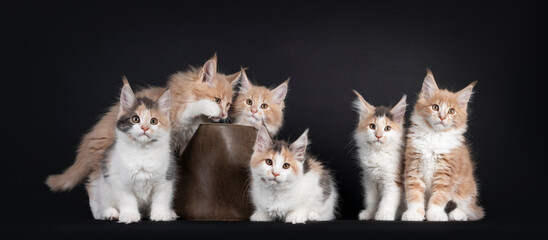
379 139
288 184
256 104
138 169
438 168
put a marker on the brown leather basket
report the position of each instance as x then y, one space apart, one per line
213 174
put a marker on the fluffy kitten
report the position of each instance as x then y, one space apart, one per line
438 168
138 172
288 184
197 94
379 139
255 104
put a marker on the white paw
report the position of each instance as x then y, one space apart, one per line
366 215
457 215
260 216
412 215
296 217
436 214
111 214
385 216
163 215
129 217
313 216
211 109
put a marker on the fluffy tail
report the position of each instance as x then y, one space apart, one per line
475 212
91 152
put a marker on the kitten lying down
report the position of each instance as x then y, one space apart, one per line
288 184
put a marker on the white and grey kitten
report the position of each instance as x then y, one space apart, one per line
138 172
379 138
288 184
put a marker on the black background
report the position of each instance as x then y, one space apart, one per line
63 61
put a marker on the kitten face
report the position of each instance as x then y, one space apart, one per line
379 126
215 87
142 119
255 104
442 109
277 162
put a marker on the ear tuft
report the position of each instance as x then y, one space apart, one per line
362 106
263 140
164 102
398 111
429 86
208 71
298 148
279 93
127 98
464 95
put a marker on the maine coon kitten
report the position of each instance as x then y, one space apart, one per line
138 170
438 168
255 104
379 139
288 184
197 94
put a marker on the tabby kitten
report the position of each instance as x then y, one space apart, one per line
255 104
438 168
379 139
198 94
138 170
288 184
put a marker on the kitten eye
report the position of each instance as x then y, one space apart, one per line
268 162
451 111
286 165
217 100
435 107
249 102
153 121
372 126
264 106
387 128
135 119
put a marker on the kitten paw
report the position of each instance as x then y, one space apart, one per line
366 215
457 215
296 217
385 216
211 110
111 214
260 217
313 216
129 217
163 215
436 214
412 215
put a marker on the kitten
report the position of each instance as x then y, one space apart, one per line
288 184
438 168
197 94
138 172
255 104
379 138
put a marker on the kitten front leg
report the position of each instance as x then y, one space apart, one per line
390 201
127 203
414 191
296 216
442 187
160 209
371 200
260 216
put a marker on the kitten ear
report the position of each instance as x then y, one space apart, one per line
279 93
362 106
298 148
127 98
245 84
398 111
263 140
234 78
463 96
207 73
164 102
429 86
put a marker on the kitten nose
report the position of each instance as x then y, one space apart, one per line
275 174
378 137
254 110
442 117
145 128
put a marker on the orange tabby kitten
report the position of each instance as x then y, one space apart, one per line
196 95
255 104
438 168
